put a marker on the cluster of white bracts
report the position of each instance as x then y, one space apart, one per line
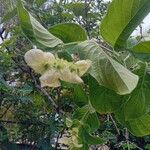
53 69
72 139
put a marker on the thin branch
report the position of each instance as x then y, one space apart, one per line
22 122
136 146
114 123
127 138
109 50
5 111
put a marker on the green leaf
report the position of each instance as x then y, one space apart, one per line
103 99
138 101
85 120
65 55
93 122
34 31
9 15
122 18
69 32
80 96
142 50
107 71
78 93
25 89
39 2
87 116
78 8
140 126
89 139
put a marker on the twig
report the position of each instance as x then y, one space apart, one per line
127 138
22 122
44 92
141 31
136 146
105 48
114 123
5 111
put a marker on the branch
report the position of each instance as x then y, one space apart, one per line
104 47
50 101
127 138
44 92
114 123
5 111
22 122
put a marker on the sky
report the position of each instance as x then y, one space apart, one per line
145 26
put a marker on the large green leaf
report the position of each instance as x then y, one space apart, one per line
69 32
79 95
139 101
140 126
122 18
85 120
34 31
142 50
89 139
87 115
106 70
103 99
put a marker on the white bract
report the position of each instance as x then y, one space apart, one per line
38 60
53 69
72 139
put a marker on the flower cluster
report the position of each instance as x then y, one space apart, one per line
72 139
53 69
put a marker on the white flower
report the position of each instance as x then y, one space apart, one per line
64 140
53 69
38 60
50 78
83 66
71 139
68 76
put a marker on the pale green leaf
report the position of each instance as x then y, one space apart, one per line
106 70
87 116
69 32
142 50
34 31
122 18
138 102
140 126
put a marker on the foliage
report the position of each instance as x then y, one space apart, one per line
115 95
